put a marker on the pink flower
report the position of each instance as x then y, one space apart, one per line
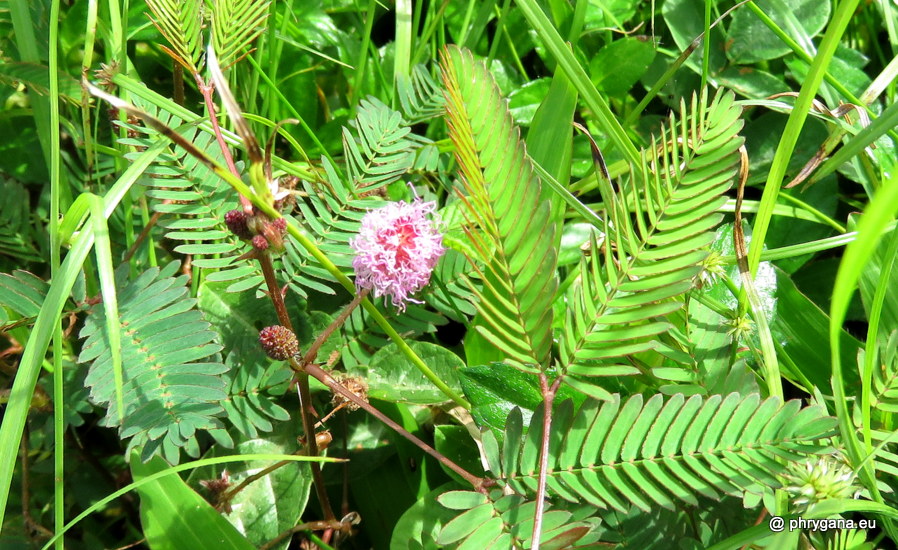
397 247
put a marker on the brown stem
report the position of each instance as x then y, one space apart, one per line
274 290
310 355
207 90
336 409
302 381
132 545
548 400
344 505
144 233
228 496
322 376
344 526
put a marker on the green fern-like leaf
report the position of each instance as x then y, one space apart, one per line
419 95
885 376
885 460
656 453
379 149
23 292
253 382
691 527
331 217
171 368
235 24
515 235
506 521
180 22
449 291
249 407
16 233
382 148
656 233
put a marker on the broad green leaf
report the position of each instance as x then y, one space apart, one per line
685 19
620 64
392 377
762 138
525 100
751 39
752 82
382 497
456 444
823 196
798 328
419 526
609 13
495 389
846 66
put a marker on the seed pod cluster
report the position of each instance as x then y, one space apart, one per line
258 228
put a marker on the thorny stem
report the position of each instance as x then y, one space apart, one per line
207 90
479 484
548 400
230 494
302 382
344 526
277 299
310 355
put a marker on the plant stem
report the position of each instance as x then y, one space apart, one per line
322 376
344 526
549 393
144 233
310 355
302 382
228 496
207 90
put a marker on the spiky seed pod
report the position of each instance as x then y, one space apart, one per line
827 477
236 222
279 342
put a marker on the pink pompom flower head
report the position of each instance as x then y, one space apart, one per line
396 249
